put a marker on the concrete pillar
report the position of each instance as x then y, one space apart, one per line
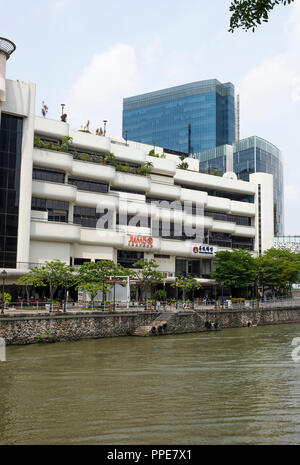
26 180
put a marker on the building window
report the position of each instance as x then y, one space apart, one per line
129 190
81 261
134 221
90 218
57 209
43 174
128 259
91 186
10 165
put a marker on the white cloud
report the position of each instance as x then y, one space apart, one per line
269 90
98 92
291 192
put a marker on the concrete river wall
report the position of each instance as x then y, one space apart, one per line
30 328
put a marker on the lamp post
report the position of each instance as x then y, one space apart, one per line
146 299
104 132
103 284
126 136
52 276
114 278
65 292
4 276
165 296
183 294
62 108
193 294
176 295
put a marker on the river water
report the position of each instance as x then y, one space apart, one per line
237 386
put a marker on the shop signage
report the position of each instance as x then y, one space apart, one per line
141 241
203 249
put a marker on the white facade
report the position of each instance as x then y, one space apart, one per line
231 206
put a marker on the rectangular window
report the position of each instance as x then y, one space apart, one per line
43 174
10 165
128 259
87 185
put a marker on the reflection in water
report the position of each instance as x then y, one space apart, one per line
237 386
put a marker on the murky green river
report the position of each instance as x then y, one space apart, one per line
236 386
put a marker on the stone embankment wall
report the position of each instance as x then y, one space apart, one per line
28 329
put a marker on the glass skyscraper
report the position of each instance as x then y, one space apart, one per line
247 156
188 118
256 155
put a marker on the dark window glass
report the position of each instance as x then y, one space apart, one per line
85 185
129 191
90 218
10 161
81 261
57 209
44 174
128 259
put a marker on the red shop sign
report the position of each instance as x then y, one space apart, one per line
141 241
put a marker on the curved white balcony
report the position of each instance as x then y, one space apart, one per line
51 127
244 231
54 191
190 195
214 182
52 159
87 141
53 231
162 166
242 208
93 171
94 200
218 203
132 181
168 191
223 226
101 236
129 154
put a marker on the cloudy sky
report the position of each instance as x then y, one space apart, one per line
89 54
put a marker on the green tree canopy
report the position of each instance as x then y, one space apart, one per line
95 276
278 269
236 268
53 274
186 283
248 14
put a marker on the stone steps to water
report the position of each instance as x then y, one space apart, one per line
160 321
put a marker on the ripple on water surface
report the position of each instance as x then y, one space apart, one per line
237 386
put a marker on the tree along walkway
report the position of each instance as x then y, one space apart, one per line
158 327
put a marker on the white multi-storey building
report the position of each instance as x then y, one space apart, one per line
76 205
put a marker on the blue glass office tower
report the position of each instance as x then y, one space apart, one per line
188 118
256 155
246 156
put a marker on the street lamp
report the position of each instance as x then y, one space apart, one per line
176 295
4 276
65 292
104 132
62 108
114 278
126 136
165 297
193 293
52 276
103 301
146 298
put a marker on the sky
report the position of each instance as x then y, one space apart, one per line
91 54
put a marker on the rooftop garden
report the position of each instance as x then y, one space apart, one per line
100 158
